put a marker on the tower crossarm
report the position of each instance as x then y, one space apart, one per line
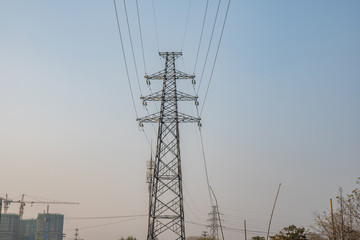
160 75
174 55
155 118
180 96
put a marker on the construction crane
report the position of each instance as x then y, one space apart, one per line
22 203
6 203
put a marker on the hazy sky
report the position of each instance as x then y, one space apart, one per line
283 106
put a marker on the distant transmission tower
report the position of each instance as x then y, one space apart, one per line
77 234
166 209
214 223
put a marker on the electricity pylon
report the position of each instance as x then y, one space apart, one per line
166 209
214 223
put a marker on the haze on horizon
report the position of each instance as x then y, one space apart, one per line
283 107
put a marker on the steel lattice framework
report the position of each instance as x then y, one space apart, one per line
214 223
166 209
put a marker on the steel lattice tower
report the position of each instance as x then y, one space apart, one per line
214 223
166 209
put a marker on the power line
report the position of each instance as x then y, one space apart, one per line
205 167
132 47
123 51
201 35
146 136
141 39
195 223
217 51
250 223
191 199
228 228
104 217
133 54
187 204
249 220
126 66
186 24
156 29
106 224
208 49
242 230
257 213
134 59
258 219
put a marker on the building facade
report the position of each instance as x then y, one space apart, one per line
9 226
49 227
45 227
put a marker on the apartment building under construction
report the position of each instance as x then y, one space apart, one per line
45 227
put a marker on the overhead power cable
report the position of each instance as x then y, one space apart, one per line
197 109
106 224
132 47
156 29
198 224
147 138
191 199
105 217
227 228
134 59
186 24
252 220
208 49
201 34
217 52
123 51
126 65
141 39
143 57
205 167
193 213
242 230
133 54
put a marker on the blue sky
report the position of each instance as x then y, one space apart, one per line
283 106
